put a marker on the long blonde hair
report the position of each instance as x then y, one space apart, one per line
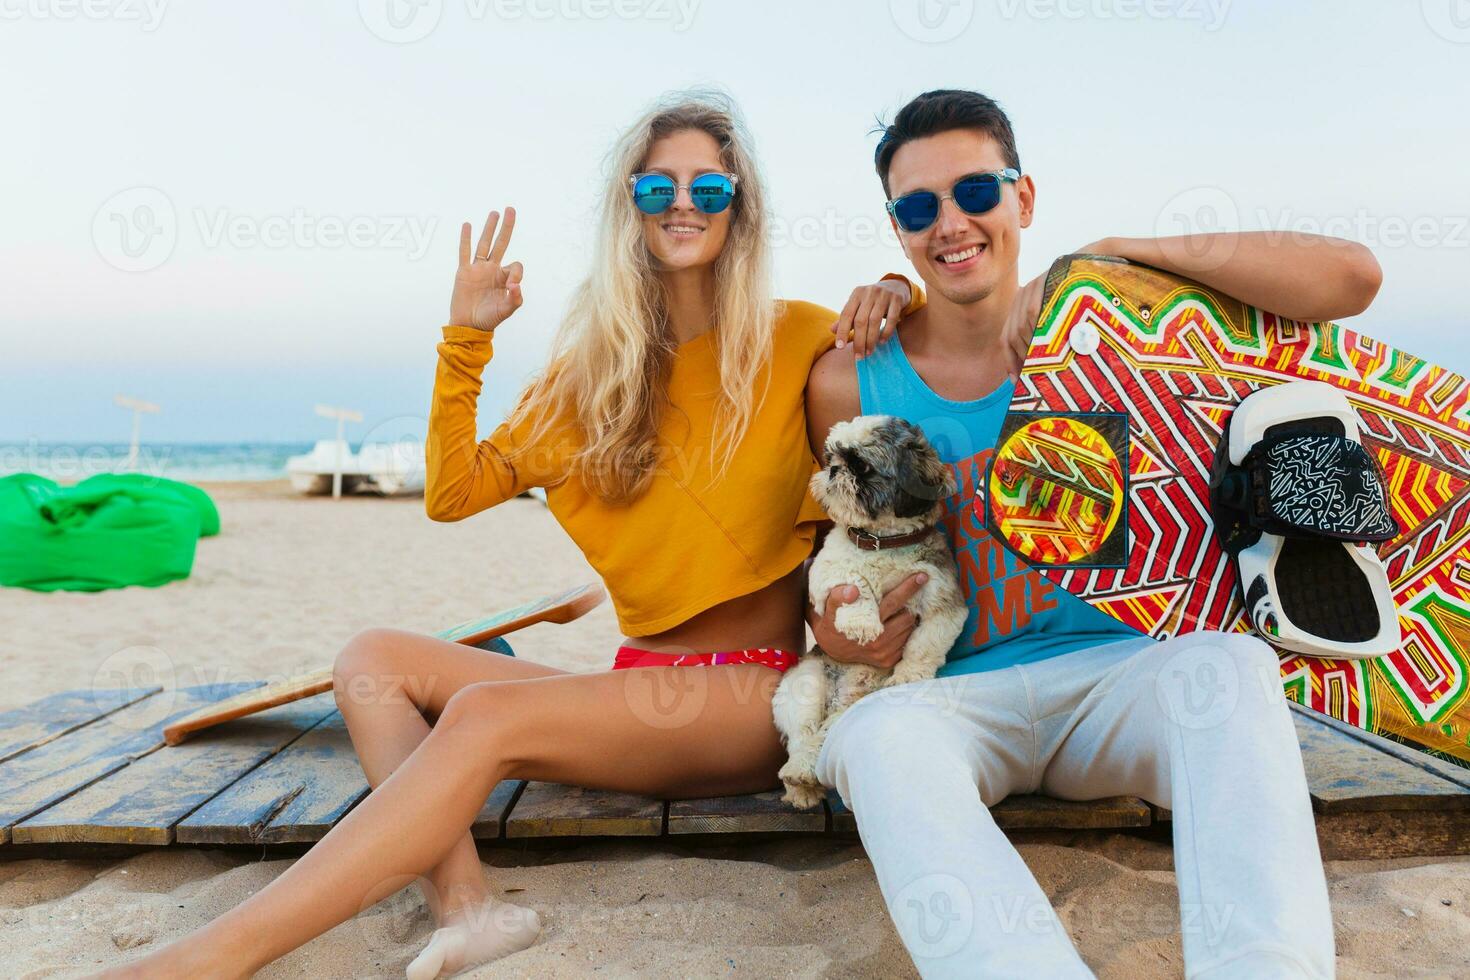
611 357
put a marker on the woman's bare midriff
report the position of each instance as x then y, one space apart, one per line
771 617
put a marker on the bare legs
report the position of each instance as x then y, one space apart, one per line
676 731
385 682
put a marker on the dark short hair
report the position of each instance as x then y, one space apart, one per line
940 111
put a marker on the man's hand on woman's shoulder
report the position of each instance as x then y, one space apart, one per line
872 310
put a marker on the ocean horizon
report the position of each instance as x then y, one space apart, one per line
69 462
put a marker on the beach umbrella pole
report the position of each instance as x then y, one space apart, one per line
138 407
133 445
337 466
343 416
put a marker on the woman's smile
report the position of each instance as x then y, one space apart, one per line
679 230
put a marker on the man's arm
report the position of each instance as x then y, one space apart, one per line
832 397
1298 276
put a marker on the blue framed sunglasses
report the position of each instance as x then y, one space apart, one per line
655 193
974 194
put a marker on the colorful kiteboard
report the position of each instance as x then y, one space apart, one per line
1101 478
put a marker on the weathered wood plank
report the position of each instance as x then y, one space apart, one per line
1037 813
1044 813
1364 834
757 813
554 810
141 802
1459 775
22 729
53 771
1342 778
295 795
300 793
490 824
1345 774
75 765
843 821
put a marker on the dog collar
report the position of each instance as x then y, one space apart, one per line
868 541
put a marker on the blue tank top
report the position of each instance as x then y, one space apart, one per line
1016 615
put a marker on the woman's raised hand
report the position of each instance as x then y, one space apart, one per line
485 291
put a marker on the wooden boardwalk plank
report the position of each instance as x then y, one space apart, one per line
1459 775
1037 813
1364 834
300 793
1045 813
50 718
758 813
490 824
85 766
34 780
295 795
554 810
141 802
843 821
1344 773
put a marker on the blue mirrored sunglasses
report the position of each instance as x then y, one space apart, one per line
974 194
655 193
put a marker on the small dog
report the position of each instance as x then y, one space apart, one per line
883 487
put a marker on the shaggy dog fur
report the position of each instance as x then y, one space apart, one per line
882 477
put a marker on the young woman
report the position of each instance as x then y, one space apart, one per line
670 433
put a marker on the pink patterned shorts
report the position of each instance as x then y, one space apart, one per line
765 656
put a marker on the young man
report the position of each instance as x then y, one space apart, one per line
1043 693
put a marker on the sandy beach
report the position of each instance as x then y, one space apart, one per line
289 579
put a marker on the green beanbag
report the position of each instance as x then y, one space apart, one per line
106 532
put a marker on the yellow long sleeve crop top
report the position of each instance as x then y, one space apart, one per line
689 542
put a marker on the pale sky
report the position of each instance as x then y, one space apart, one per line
295 173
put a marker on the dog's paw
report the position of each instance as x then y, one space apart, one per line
799 775
905 672
798 768
859 622
804 795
